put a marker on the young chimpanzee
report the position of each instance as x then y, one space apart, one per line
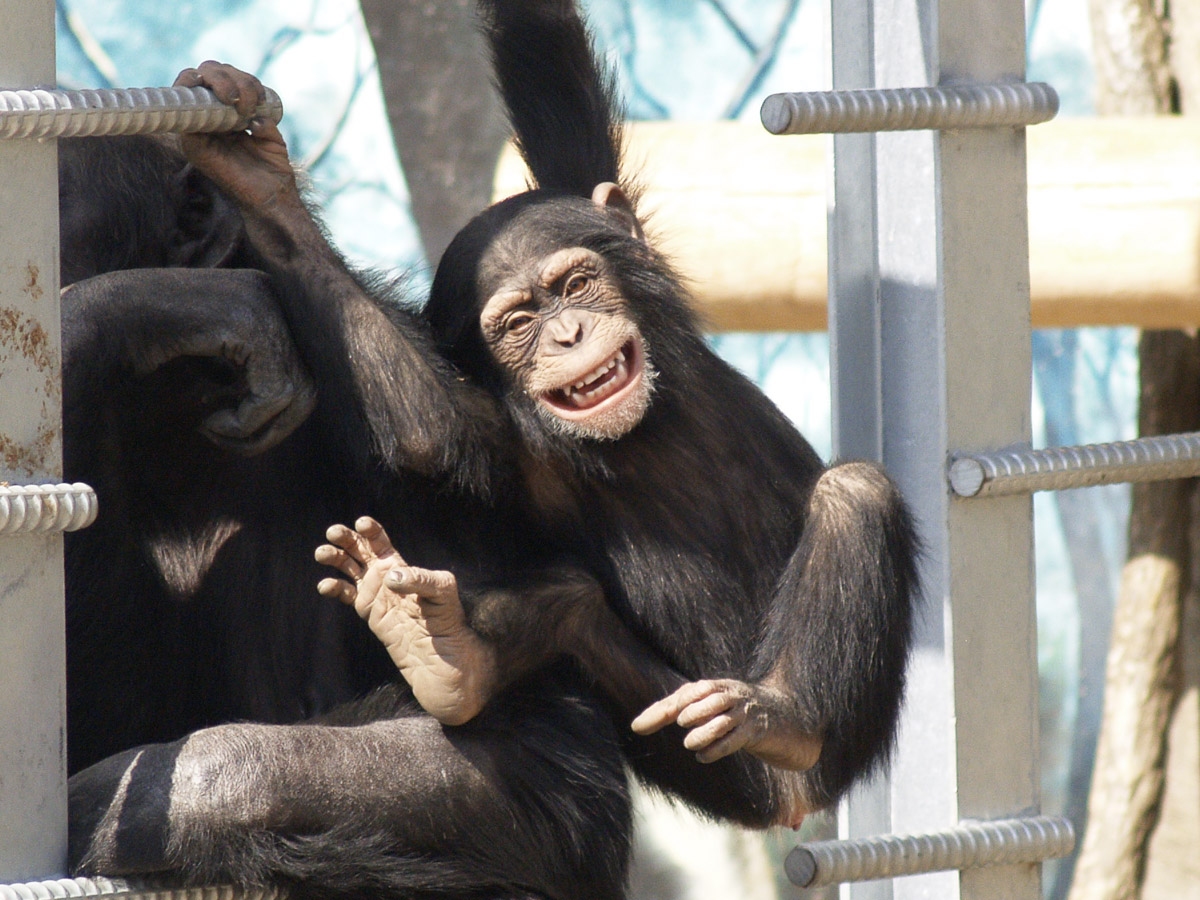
720 538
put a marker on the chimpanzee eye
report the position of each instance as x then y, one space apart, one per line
576 284
517 321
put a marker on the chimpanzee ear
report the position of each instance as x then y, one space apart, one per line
209 227
616 201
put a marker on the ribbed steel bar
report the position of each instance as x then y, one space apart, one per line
1018 471
909 109
53 113
116 888
44 508
970 845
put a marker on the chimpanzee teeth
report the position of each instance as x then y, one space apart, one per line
598 371
584 399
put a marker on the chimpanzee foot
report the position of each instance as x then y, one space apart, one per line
417 615
725 715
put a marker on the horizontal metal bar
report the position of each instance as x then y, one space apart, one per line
125 890
971 845
52 113
1021 470
909 109
43 508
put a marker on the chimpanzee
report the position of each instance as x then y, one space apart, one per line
709 523
221 443
715 530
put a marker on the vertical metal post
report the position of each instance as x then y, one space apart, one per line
952 360
32 657
854 323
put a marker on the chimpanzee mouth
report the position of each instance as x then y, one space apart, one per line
606 385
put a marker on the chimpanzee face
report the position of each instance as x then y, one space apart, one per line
555 320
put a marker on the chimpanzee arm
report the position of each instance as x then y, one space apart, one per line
380 801
456 659
374 363
121 328
832 661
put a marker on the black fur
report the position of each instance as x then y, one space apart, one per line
556 121
192 602
717 531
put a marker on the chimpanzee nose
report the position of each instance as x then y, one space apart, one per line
567 329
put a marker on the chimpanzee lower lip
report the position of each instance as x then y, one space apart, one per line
603 386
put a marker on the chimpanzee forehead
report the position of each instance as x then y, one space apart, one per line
514 255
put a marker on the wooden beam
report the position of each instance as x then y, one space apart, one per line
1114 220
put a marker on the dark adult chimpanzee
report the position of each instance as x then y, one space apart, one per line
222 437
705 516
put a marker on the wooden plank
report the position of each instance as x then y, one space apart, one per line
1114 220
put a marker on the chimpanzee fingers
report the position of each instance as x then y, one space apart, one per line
329 555
706 708
431 585
188 78
230 85
266 130
357 546
258 422
702 738
377 539
343 537
662 713
336 589
734 740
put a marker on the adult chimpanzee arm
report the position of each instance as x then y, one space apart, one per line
379 801
373 360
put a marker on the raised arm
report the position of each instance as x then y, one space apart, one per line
372 358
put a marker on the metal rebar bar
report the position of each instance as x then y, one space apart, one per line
1019 470
970 845
909 109
117 888
54 113
43 508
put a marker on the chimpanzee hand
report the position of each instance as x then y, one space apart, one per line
417 615
250 164
725 715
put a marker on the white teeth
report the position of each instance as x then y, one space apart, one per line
598 371
584 399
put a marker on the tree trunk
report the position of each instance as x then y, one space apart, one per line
1172 863
1141 683
447 122
1133 77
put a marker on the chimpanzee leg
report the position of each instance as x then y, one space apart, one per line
529 799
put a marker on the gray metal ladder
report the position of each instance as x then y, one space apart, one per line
930 355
